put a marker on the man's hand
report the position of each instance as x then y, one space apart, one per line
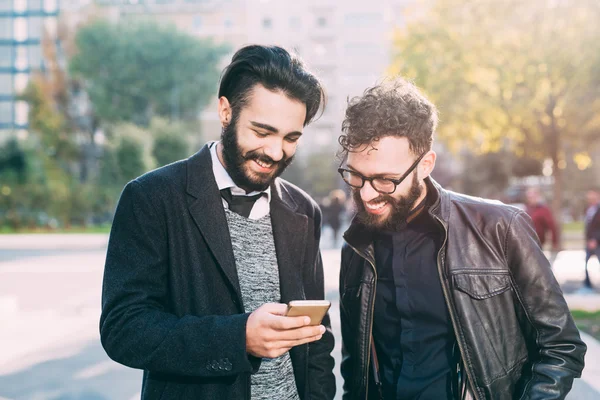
270 334
592 244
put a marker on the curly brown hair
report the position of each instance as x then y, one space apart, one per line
392 108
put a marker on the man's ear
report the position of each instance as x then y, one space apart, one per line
427 164
224 111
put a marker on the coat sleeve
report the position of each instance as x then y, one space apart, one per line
560 351
320 362
136 328
348 336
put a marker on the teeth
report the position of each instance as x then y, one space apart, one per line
376 206
264 164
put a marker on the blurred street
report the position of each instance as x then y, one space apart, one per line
50 304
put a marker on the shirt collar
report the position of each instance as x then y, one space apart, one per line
223 179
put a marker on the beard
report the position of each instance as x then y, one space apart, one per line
236 162
401 208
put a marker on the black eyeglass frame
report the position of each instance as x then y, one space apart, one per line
396 182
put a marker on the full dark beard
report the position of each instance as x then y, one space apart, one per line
235 161
400 208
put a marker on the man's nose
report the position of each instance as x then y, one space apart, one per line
367 192
274 149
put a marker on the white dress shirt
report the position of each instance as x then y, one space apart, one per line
261 206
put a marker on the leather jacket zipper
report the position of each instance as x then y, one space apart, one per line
448 301
369 317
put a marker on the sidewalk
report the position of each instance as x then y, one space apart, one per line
50 300
58 241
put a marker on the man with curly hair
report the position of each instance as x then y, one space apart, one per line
442 295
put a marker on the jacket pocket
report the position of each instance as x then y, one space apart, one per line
482 286
489 322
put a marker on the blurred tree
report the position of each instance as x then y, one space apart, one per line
130 158
488 174
168 149
316 173
170 141
33 188
12 160
48 123
135 70
518 74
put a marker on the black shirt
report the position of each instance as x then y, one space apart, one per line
412 328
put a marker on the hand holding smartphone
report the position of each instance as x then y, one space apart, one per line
274 328
315 309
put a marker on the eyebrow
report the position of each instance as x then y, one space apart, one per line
380 175
272 128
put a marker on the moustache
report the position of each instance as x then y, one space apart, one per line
256 156
382 197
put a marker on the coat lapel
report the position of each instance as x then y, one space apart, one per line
206 208
289 228
289 231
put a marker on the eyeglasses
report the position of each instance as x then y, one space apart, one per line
381 185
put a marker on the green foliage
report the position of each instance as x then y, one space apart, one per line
136 70
130 158
146 82
13 162
168 149
588 321
170 141
579 314
48 123
36 192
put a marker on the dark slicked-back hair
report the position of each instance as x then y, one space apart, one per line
393 108
276 69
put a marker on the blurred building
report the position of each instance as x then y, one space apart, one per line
22 25
348 44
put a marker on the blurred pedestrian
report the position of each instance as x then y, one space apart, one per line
204 251
442 295
541 215
335 211
592 232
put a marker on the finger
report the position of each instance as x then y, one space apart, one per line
301 333
282 323
274 308
294 343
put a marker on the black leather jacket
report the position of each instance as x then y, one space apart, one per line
515 333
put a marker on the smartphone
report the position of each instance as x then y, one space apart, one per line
315 309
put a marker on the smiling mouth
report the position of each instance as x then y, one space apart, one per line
375 208
265 166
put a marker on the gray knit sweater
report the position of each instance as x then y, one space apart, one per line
258 273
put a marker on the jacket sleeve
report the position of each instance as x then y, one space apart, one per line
136 327
347 335
560 348
321 379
